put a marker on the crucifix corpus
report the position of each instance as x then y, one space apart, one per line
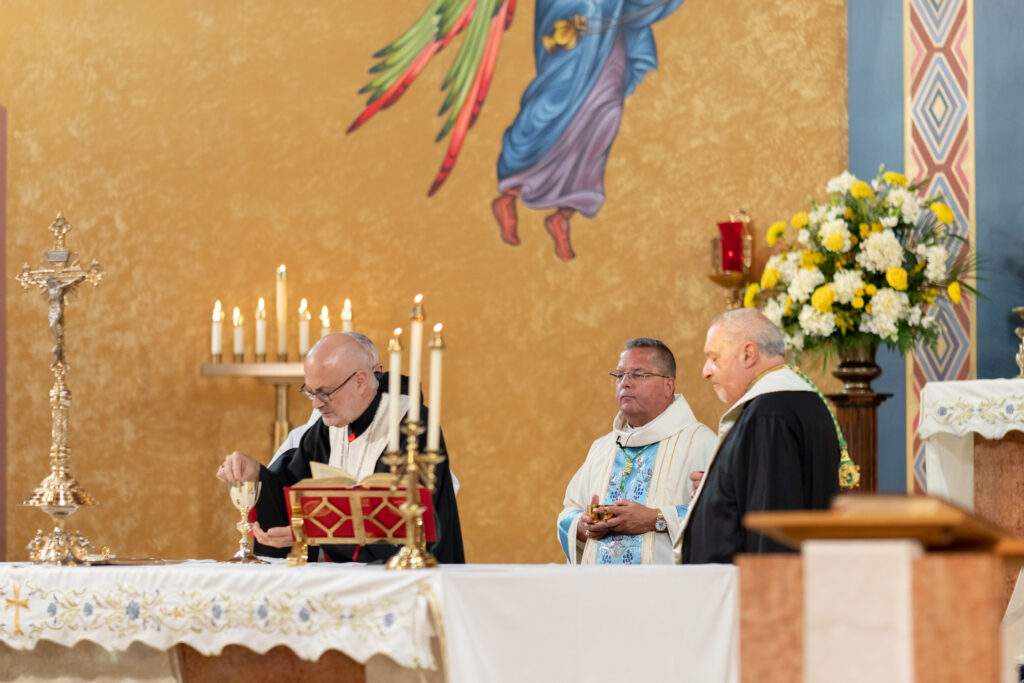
59 495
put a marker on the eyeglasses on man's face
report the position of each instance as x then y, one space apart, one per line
634 376
323 395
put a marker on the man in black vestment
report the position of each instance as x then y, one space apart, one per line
351 434
778 447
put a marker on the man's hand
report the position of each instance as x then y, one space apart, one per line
587 528
630 518
278 537
695 478
239 467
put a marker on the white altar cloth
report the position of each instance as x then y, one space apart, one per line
951 414
494 622
208 605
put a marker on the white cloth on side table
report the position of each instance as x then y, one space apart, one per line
951 414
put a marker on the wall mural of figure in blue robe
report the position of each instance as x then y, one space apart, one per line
589 54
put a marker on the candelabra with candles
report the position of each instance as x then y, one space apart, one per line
731 255
281 373
413 468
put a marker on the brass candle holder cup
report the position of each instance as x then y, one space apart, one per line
412 469
244 495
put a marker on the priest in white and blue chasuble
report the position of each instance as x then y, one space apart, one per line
626 504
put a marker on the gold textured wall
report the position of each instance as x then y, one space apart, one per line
196 145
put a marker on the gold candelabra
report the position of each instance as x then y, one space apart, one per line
411 469
59 495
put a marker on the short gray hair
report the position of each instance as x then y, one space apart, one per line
750 324
662 354
372 356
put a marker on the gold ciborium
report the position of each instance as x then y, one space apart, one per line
244 495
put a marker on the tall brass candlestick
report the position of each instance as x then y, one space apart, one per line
59 495
411 469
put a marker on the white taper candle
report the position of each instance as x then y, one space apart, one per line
394 391
434 417
415 357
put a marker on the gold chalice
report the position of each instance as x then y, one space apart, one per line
244 495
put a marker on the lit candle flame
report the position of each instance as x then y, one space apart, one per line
261 309
218 311
236 317
398 331
325 316
438 327
346 310
281 270
418 299
303 306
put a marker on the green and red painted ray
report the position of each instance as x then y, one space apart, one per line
468 79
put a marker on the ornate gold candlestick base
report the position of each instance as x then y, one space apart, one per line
59 547
413 468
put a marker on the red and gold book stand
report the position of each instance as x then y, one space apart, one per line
356 515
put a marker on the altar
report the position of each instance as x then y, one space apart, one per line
456 623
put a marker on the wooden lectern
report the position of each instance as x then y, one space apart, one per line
917 575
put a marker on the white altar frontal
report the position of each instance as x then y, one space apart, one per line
456 623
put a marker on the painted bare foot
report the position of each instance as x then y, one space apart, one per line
504 209
557 225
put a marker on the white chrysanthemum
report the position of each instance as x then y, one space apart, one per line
787 264
818 214
889 221
915 315
804 237
845 284
804 284
841 183
888 307
775 309
795 342
880 251
935 257
907 203
814 322
835 236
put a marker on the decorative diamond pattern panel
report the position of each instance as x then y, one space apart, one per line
939 145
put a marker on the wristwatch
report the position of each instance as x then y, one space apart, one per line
660 525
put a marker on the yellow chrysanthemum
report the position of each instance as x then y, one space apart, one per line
870 290
810 259
787 306
930 295
834 241
942 212
897 278
857 302
775 231
847 213
953 290
894 178
800 220
769 278
750 297
822 298
876 227
861 190
865 230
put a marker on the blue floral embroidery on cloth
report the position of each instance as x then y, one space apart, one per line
132 610
630 480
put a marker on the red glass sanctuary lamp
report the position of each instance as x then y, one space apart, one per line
731 253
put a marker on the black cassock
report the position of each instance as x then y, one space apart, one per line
293 466
782 454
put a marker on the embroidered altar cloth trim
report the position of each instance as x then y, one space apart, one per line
989 407
360 611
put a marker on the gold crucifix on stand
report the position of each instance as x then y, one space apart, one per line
59 495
